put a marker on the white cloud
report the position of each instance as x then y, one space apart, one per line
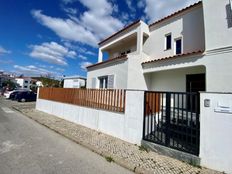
68 1
93 25
66 28
83 65
52 53
2 61
156 9
32 70
130 5
60 69
82 57
4 51
140 4
69 10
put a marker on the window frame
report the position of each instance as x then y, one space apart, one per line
175 46
166 41
105 82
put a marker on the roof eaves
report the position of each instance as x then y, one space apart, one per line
174 57
120 31
176 13
124 57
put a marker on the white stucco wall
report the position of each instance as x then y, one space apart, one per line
218 24
126 126
173 80
21 82
118 69
215 133
136 78
188 25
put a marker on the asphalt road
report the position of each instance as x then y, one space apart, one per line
29 148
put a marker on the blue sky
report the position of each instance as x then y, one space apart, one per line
59 37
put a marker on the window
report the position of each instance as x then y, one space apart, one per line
26 81
178 46
168 42
103 82
25 86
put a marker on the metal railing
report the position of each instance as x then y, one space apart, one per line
172 119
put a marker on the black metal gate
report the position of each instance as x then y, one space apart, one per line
172 119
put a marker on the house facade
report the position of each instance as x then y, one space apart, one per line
23 82
187 51
74 82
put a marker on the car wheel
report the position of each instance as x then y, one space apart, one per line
23 100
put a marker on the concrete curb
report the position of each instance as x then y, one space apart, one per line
117 160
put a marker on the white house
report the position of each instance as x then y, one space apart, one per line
187 51
164 66
23 82
192 46
74 82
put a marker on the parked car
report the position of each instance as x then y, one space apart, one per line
13 95
7 94
24 96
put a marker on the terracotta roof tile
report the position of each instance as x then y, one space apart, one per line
176 13
174 57
124 57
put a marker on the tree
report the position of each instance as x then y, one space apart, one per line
10 84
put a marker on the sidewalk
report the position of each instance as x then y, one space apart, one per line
125 154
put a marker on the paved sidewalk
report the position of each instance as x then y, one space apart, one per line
121 152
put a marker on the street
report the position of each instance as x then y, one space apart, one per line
27 147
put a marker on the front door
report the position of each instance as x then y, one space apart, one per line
194 83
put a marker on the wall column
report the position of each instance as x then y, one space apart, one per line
100 56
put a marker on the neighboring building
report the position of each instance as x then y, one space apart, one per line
23 82
74 82
187 51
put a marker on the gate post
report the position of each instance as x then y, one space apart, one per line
167 115
144 114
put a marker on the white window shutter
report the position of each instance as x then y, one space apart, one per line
111 81
93 82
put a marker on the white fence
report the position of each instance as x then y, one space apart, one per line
215 124
216 131
126 126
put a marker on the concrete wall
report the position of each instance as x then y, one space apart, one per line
188 25
118 69
136 79
173 80
126 126
215 135
218 24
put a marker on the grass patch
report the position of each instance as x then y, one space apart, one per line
143 148
109 159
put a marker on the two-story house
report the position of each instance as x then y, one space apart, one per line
23 82
189 50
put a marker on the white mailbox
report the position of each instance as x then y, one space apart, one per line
224 107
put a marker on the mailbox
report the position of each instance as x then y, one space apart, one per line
224 107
